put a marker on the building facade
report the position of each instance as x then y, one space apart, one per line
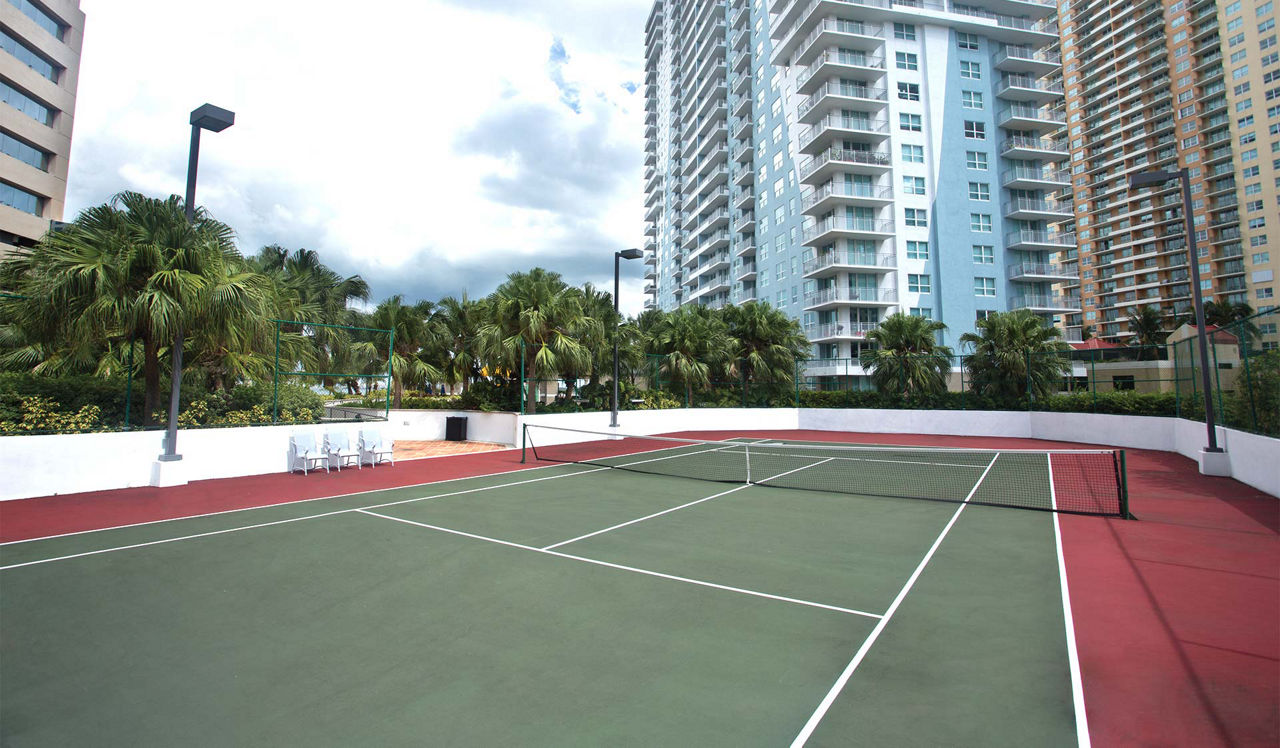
881 157
1160 86
39 72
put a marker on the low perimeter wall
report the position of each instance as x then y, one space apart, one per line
72 463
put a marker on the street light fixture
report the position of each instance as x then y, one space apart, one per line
1154 178
626 254
214 119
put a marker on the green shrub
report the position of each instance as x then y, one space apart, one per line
41 415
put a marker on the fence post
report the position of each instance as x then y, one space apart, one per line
742 372
963 388
522 383
128 386
391 354
797 380
1217 380
275 381
1093 378
1026 355
1248 381
1177 383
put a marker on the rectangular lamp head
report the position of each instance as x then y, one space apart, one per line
631 254
212 118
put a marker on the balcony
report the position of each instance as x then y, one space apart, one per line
834 128
747 272
842 260
1027 60
1045 303
832 33
838 296
1034 148
822 167
841 96
835 228
1029 209
1040 271
745 222
1028 239
834 194
836 331
1030 178
1024 88
834 62
1026 117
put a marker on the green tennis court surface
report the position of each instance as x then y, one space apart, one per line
570 605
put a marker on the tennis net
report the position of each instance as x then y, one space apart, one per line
1067 481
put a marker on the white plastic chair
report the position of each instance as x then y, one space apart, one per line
337 447
373 449
304 454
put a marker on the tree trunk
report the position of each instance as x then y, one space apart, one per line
396 392
151 380
531 389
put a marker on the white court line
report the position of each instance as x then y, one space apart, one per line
646 572
298 519
839 685
319 498
1073 656
674 508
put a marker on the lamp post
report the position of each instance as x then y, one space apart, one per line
626 254
214 119
1150 179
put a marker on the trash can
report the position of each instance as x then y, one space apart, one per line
455 428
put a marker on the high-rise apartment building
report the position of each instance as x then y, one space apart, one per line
881 156
39 71
1154 85
1252 75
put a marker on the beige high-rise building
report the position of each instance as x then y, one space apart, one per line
1158 85
1252 74
39 71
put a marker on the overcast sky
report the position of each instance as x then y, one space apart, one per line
430 146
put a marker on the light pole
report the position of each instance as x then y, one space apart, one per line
626 254
214 119
1152 178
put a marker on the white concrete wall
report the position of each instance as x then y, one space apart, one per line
71 463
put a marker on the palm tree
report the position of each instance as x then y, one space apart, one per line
907 357
541 314
692 343
133 268
1236 316
411 332
1015 353
769 343
1147 326
460 323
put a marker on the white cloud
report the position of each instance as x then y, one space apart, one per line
348 127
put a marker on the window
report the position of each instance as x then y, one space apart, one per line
1266 25
979 191
1245 121
1261 258
975 130
1122 381
917 217
975 160
909 91
29 58
1232 9
1253 206
920 251
918 283
984 254
25 104
913 185
971 99
984 286
1263 293
910 122
967 41
971 70
27 154
1257 223
42 19
922 311
19 199
1249 155
913 154
980 222
906 61
1235 39
904 31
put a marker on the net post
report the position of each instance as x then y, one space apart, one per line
524 441
746 450
1124 489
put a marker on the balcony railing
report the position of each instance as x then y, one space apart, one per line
1030 204
1047 269
1043 301
855 225
841 293
1035 175
837 57
839 330
1029 236
1033 144
847 257
869 191
844 155
1011 80
847 90
1021 111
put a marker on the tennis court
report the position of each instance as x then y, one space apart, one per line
575 604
